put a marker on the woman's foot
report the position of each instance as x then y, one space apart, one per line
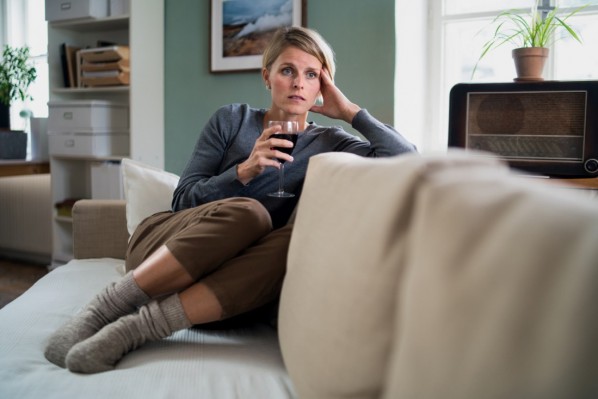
116 300
103 350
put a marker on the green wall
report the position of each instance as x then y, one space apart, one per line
360 32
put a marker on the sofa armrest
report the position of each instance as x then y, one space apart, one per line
100 229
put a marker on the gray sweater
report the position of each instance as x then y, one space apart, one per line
229 136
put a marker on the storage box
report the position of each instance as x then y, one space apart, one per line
103 66
84 115
61 10
109 79
119 7
89 144
106 180
105 54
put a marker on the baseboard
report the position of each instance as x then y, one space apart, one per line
28 257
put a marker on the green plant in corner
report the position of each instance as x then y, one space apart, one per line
529 30
16 74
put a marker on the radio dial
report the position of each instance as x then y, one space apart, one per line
591 165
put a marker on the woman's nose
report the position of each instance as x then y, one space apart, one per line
298 83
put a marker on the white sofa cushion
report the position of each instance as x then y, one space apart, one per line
436 277
148 190
499 298
200 362
346 257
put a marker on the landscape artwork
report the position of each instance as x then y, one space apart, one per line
241 29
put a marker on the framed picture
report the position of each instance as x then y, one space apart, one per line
241 29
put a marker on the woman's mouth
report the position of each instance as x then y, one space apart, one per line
296 98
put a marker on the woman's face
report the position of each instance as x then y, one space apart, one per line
294 79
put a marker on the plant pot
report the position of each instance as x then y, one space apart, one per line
529 63
4 116
13 144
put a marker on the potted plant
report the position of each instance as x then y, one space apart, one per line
16 74
531 34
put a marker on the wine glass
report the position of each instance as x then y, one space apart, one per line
288 131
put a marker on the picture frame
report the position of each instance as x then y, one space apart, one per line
241 29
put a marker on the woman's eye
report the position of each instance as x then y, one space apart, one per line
287 71
312 75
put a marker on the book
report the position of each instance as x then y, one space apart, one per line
71 58
69 64
64 64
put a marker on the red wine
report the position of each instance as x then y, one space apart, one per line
285 136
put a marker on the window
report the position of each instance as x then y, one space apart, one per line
456 31
26 26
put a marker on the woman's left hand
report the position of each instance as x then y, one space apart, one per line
335 105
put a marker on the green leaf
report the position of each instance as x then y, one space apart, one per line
523 30
16 75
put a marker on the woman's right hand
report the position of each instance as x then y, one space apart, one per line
263 155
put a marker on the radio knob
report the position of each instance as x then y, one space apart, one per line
591 165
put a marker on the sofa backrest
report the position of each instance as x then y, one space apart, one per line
100 229
441 276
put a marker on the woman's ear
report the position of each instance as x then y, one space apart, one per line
266 77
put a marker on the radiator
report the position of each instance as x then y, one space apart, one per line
26 217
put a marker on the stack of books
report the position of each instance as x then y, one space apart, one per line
103 66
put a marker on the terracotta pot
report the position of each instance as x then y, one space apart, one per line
529 63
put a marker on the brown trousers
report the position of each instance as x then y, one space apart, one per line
229 245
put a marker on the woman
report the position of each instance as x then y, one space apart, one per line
221 251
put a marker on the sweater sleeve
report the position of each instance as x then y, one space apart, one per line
383 139
203 180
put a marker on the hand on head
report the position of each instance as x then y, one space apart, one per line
336 105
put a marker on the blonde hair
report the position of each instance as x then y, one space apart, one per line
305 39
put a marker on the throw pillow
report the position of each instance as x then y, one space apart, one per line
148 190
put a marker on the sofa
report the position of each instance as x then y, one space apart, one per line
25 201
408 277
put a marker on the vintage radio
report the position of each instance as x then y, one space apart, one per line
548 128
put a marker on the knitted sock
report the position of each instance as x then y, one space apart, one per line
116 300
155 321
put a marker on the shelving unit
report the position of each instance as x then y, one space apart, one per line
143 31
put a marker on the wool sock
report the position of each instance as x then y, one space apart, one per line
116 300
101 352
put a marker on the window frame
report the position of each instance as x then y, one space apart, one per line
14 15
430 117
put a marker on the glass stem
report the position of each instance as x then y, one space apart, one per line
281 179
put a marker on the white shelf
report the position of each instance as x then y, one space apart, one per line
86 90
90 158
143 31
72 174
87 25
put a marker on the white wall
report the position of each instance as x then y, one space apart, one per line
146 32
411 85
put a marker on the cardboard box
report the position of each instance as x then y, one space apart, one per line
103 66
105 54
116 79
